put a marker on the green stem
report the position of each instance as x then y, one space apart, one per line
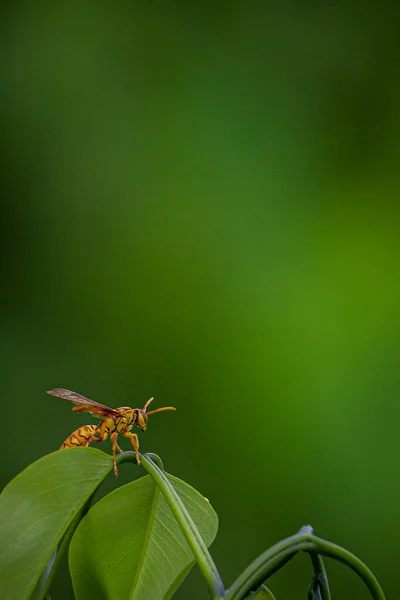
184 520
320 577
283 551
311 589
156 459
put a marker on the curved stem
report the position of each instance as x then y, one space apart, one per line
305 541
263 567
337 552
156 459
184 520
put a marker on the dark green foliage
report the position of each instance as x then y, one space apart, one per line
137 543
130 543
37 508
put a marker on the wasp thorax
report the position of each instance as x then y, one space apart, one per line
127 412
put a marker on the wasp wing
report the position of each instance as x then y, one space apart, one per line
84 404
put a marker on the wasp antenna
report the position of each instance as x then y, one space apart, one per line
161 409
147 403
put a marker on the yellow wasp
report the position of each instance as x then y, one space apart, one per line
114 421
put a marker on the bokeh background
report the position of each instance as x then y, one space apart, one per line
200 202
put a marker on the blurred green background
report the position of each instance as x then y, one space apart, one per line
201 203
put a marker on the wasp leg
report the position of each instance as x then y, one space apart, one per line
135 443
101 431
103 437
100 439
114 437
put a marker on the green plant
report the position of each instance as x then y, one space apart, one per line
138 542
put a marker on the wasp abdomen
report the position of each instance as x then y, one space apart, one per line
80 437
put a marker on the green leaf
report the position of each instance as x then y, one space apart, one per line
36 509
130 547
263 593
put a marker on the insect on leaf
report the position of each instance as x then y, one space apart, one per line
130 547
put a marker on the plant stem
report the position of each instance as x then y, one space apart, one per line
322 577
185 522
306 541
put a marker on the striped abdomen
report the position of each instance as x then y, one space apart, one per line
81 437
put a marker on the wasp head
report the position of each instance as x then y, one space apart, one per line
141 419
142 414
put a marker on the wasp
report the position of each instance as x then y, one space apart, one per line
115 421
